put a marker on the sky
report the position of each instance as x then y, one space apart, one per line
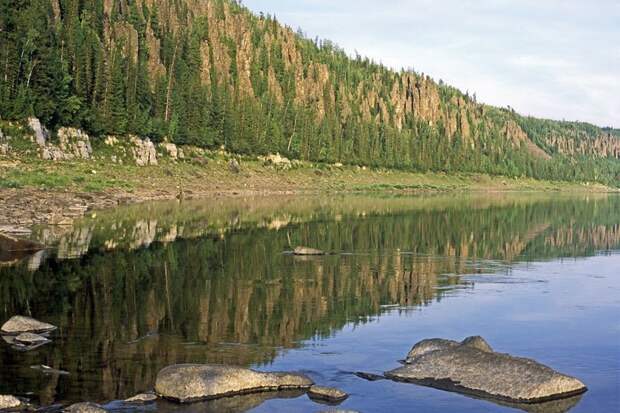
557 59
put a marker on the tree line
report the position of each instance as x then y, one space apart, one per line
164 71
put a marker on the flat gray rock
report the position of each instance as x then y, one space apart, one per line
8 402
328 394
307 251
20 324
187 383
472 367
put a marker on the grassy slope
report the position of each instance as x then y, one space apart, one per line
214 176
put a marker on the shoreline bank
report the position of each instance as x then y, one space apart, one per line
35 192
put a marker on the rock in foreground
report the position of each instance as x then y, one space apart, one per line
20 324
187 383
328 394
472 367
307 251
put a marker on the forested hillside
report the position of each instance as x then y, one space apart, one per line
210 73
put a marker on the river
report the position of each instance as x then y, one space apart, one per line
138 288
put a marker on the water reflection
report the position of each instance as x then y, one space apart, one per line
153 285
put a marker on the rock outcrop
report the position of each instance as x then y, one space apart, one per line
277 161
40 133
234 166
187 383
75 143
472 367
5 148
170 149
143 151
20 324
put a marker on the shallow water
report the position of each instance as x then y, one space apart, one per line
139 288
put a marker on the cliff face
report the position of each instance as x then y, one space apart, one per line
603 145
210 73
385 97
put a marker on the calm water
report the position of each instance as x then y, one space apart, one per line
136 289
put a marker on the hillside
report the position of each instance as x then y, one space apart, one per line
209 73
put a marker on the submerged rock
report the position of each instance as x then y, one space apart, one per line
186 383
85 408
329 394
8 402
369 376
20 324
142 398
307 251
471 367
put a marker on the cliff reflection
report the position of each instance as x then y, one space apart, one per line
202 284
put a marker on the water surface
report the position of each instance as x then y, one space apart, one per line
136 289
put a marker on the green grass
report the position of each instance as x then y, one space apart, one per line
56 176
208 173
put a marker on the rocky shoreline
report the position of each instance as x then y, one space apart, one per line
470 367
20 209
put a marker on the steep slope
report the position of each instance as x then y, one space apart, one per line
210 73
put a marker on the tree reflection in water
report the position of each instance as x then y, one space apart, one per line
153 285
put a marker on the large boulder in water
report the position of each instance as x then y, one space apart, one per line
186 383
20 324
472 367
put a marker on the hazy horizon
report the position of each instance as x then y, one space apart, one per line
536 57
